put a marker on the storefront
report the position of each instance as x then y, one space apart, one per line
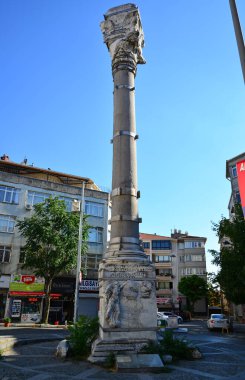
89 298
62 301
26 294
164 304
4 288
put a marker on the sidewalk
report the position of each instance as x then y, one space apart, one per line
21 334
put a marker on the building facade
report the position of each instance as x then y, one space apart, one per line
231 175
175 257
21 294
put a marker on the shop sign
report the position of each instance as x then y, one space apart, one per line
28 279
16 309
163 300
26 283
63 285
4 281
89 285
28 318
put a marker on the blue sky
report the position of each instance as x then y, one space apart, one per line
56 101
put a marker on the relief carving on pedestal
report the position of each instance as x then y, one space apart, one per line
146 289
130 290
112 294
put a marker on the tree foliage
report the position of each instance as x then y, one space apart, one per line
231 258
214 292
194 288
51 235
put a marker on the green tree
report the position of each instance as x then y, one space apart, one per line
214 292
194 288
231 258
51 235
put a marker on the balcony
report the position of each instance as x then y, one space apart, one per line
164 277
164 292
167 264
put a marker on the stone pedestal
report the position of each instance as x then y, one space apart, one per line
128 312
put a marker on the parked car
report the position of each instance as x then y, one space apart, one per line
166 314
218 321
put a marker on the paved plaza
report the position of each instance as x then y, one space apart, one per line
223 358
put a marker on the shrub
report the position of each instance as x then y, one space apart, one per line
178 348
82 335
110 361
7 319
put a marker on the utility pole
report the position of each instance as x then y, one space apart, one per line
79 252
239 36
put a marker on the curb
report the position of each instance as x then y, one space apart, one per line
37 325
8 342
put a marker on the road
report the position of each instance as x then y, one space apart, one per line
223 358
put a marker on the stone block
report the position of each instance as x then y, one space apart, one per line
138 362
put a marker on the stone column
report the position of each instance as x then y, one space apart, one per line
128 312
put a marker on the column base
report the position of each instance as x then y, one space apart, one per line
128 309
103 348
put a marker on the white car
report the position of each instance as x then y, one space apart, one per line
166 314
217 321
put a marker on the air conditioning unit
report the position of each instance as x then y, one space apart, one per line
28 206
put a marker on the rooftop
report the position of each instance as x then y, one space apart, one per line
23 169
145 236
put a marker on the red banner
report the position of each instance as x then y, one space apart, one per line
240 167
28 279
163 300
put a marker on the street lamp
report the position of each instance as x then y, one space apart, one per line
79 252
239 36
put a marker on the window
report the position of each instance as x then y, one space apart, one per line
194 244
5 254
22 256
238 197
164 285
9 194
200 271
186 271
68 202
190 271
197 258
162 259
91 261
164 272
7 223
95 235
234 171
146 244
94 209
34 197
161 244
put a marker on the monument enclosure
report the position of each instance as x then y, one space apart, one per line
128 312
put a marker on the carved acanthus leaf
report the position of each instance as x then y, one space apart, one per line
123 34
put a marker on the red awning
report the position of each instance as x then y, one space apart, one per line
40 294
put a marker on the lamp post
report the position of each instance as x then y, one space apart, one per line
239 36
79 251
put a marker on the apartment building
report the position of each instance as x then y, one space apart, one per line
162 252
231 175
21 293
175 257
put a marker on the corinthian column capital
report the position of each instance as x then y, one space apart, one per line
124 37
